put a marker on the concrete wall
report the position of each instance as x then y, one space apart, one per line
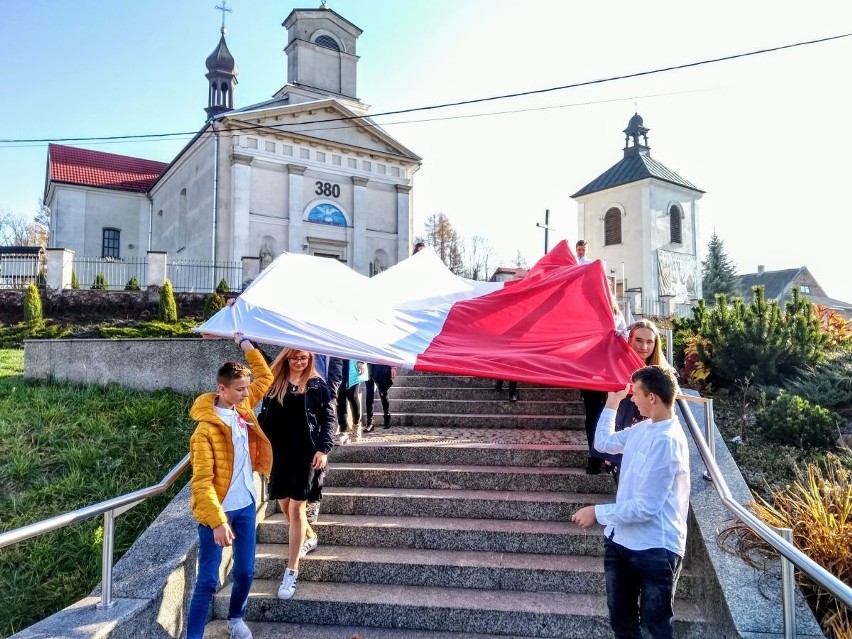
183 365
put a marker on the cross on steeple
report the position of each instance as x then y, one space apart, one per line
224 9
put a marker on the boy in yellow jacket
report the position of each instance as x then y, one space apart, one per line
226 447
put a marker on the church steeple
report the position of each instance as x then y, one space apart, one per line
635 129
221 74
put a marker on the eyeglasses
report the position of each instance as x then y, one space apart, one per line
298 360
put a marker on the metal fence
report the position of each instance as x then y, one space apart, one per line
662 308
203 276
116 271
17 270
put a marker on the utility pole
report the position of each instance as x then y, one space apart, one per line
547 228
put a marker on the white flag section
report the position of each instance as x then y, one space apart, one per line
320 305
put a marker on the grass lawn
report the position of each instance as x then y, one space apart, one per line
65 446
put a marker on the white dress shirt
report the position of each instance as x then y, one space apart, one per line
241 492
652 501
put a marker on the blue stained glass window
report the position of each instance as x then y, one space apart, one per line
327 214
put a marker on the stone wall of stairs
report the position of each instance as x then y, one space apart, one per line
453 523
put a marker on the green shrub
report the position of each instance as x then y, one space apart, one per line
168 306
75 283
41 279
32 306
793 420
212 304
100 283
222 287
828 384
13 336
181 328
132 284
759 342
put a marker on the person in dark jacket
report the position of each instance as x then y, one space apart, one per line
381 377
298 418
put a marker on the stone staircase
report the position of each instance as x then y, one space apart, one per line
453 524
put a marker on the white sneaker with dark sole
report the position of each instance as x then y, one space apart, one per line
288 584
309 546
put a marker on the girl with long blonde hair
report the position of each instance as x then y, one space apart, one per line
298 418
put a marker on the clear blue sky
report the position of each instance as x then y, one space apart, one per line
766 137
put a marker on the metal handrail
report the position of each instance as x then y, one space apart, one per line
787 550
109 509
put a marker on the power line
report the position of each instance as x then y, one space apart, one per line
241 126
445 105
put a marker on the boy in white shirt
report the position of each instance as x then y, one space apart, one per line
646 526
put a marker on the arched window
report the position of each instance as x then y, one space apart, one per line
675 225
327 42
327 214
612 227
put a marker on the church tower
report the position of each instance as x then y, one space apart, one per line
321 59
640 217
221 75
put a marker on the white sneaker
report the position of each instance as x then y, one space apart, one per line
288 584
343 439
239 629
357 437
309 546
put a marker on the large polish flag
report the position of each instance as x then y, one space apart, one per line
554 327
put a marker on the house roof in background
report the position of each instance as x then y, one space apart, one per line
71 165
774 283
632 169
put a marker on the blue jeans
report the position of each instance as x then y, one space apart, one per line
640 587
242 522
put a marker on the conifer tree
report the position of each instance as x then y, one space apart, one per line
32 306
718 272
75 283
168 306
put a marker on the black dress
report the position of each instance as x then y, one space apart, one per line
286 426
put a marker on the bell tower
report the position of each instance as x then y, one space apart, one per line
221 73
321 52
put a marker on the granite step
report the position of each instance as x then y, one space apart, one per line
505 447
539 614
495 405
435 380
541 393
267 630
453 569
477 504
444 533
466 477
491 420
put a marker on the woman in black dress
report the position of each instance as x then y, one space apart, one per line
298 418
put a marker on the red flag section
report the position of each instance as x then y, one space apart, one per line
554 327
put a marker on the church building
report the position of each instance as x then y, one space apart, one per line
306 171
640 217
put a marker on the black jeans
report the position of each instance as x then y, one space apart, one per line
593 402
640 587
383 396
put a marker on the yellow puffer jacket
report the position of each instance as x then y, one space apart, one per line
211 449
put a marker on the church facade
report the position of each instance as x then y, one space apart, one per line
306 171
641 218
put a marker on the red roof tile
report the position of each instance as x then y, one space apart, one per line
107 170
